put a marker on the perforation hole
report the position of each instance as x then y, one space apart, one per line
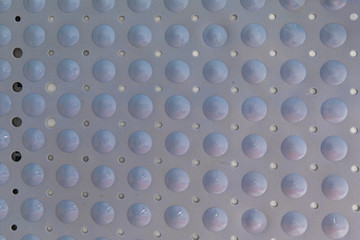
51 87
85 18
121 19
14 227
272 16
86 53
51 19
17 52
16 122
16 156
17 87
195 18
51 53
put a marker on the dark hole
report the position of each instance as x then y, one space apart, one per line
14 227
17 18
16 156
17 87
15 191
17 52
16 122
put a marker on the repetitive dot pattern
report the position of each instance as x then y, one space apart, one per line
173 121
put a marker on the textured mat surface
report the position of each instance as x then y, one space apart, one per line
179 119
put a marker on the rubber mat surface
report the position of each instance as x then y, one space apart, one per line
179 119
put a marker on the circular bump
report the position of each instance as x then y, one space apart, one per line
103 36
5 69
34 6
104 106
254 221
335 226
68 6
140 71
32 174
254 184
66 238
177 180
177 143
102 213
176 5
177 107
139 36
254 146
103 5
140 106
292 35
293 110
4 173
104 70
4 140
68 35
68 140
140 142
293 72
254 71
252 5
215 35
254 109
33 105
294 224
215 219
139 178
5 104
33 139
32 210
67 176
176 217
29 237
292 5
67 211
69 105
177 71
215 108
5 5
333 5
139 6
253 35
214 5
34 70
293 148
68 70
103 177
5 35
334 148
103 141
335 187
34 36
334 110
177 36
215 71
215 144
333 35
294 185
215 181
4 209
139 215
333 72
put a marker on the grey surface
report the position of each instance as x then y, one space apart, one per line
189 133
